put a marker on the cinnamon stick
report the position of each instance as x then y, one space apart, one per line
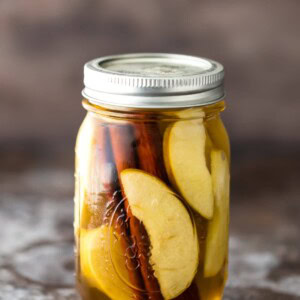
149 148
124 145
114 208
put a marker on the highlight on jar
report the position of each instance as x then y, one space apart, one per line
152 180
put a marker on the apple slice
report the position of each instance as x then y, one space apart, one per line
218 134
83 157
184 155
174 244
186 113
103 262
217 235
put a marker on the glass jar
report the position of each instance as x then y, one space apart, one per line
152 180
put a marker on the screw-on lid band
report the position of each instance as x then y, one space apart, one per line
153 80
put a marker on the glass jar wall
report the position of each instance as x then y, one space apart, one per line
152 203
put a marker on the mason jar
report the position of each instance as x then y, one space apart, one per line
152 179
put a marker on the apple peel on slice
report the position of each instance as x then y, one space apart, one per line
185 160
218 134
217 235
174 245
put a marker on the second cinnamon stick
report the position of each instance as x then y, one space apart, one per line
124 148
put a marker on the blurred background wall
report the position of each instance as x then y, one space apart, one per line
44 44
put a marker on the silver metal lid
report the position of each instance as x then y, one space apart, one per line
153 80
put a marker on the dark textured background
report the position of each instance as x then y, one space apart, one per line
43 46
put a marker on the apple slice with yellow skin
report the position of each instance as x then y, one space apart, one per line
218 134
217 234
103 262
187 114
83 157
185 160
84 265
174 244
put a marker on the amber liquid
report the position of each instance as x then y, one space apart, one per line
113 248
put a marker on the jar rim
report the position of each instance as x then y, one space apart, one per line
167 114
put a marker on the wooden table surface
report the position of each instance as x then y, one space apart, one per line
36 213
